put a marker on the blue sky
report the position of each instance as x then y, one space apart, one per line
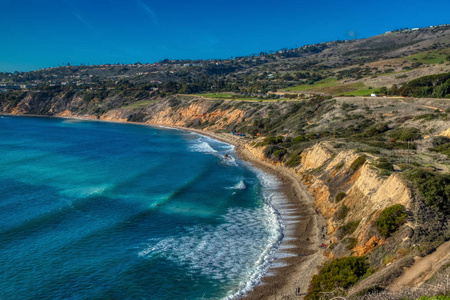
46 33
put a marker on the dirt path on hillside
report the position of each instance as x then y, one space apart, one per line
423 269
425 106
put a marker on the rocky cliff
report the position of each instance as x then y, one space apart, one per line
328 172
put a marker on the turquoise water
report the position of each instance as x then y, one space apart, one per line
93 210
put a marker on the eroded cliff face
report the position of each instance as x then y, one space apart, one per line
200 112
172 111
327 172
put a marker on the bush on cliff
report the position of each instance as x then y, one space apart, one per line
435 188
347 229
293 161
274 152
357 163
390 219
340 196
339 273
341 213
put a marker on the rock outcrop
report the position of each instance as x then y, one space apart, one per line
366 192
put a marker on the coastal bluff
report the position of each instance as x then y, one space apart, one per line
349 189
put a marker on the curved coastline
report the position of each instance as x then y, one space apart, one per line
297 257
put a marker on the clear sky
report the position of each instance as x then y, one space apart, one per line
46 33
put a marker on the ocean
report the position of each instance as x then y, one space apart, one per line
96 210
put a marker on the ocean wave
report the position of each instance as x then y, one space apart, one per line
228 252
238 186
202 146
169 128
238 251
229 160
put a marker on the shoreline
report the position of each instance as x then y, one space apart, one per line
298 256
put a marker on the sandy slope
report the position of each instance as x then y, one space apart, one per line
423 269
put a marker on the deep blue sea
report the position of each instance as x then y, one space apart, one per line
95 210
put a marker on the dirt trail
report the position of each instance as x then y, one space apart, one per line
425 106
423 269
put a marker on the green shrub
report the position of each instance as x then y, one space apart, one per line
405 134
350 243
340 196
269 150
385 168
444 149
377 129
390 219
339 166
347 229
435 188
339 273
385 165
357 163
385 172
341 213
293 161
428 117
174 102
440 140
279 154
299 139
274 152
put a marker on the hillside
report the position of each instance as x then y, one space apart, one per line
356 66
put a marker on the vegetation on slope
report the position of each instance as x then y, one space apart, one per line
339 273
390 219
433 86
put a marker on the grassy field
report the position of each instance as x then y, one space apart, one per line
216 95
329 82
360 93
430 57
331 86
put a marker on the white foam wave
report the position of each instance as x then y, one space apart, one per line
228 252
240 250
202 147
238 186
229 160
170 128
87 191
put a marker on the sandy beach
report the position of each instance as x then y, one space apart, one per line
300 251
